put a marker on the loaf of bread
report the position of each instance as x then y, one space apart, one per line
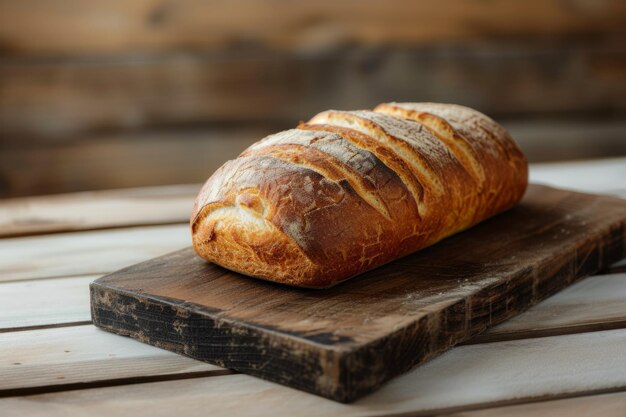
352 190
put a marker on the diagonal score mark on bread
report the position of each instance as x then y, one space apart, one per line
482 133
403 149
382 152
492 144
325 165
458 145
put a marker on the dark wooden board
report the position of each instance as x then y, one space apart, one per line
346 341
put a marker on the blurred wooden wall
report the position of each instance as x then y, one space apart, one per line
104 94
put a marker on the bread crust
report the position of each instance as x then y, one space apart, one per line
350 191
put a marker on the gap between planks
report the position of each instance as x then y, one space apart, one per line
46 326
592 405
598 326
17 392
503 407
521 406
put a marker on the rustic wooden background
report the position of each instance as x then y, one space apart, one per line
107 94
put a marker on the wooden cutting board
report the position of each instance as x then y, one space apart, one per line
346 341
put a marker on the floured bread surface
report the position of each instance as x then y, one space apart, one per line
349 191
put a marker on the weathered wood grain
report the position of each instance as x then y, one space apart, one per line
466 377
96 210
345 342
591 304
91 252
158 91
83 355
63 27
56 99
122 160
44 302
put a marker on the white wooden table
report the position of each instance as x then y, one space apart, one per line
565 356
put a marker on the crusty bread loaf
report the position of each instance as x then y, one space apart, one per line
351 190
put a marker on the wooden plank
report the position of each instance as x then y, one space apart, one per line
46 302
82 253
346 341
159 91
475 376
96 210
570 139
123 160
605 176
591 304
601 176
60 99
607 405
65 27
83 355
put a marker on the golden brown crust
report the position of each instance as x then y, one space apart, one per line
349 191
